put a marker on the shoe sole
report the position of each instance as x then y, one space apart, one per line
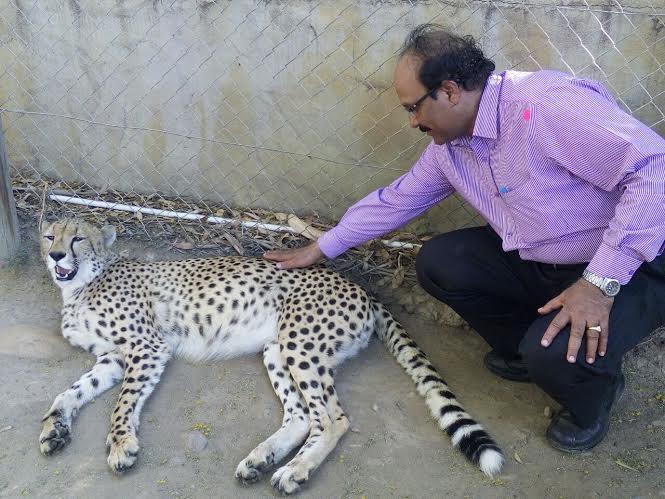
580 450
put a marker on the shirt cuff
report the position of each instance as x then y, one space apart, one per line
611 263
330 244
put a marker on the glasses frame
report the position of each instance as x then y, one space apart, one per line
414 107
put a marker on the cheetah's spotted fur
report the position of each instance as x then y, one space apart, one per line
134 316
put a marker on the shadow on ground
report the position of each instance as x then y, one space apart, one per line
203 419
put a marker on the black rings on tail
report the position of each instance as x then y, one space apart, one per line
466 434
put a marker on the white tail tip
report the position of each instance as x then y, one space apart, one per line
491 462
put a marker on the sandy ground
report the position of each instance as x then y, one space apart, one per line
203 419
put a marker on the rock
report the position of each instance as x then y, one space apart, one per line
548 412
196 441
659 422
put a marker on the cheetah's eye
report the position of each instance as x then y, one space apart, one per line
50 238
77 239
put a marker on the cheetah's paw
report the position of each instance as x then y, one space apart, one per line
287 479
253 466
55 433
122 452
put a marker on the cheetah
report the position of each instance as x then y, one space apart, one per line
135 316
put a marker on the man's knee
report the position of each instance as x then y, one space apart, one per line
446 261
543 362
429 261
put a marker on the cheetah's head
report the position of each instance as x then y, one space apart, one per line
75 251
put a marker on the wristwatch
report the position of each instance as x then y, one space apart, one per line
609 287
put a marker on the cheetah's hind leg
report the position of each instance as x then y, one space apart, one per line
295 424
328 424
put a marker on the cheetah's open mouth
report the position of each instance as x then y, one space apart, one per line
62 274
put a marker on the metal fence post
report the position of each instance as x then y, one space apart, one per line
9 234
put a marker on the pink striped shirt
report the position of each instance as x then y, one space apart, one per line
554 165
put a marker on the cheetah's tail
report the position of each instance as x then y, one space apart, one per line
466 434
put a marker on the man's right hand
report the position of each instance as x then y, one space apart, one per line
296 258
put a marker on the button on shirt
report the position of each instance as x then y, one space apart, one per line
559 171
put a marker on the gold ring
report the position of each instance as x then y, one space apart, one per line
595 328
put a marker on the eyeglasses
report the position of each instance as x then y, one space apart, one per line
414 107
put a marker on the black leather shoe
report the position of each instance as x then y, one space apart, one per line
565 435
513 370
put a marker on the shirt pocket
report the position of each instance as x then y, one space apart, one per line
512 173
511 168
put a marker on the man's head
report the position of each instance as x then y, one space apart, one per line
439 80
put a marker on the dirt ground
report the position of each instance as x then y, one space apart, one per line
203 419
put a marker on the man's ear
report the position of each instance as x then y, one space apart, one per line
452 91
108 231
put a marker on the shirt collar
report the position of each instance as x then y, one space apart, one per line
486 125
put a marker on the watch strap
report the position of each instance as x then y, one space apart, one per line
605 284
594 279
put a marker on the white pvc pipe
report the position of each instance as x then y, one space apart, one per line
125 207
259 225
194 216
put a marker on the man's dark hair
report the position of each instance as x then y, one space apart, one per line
445 56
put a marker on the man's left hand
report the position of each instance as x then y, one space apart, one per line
582 305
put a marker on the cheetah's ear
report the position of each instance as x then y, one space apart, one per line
108 231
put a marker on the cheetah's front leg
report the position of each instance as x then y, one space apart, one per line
106 372
145 366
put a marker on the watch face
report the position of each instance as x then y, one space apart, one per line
612 288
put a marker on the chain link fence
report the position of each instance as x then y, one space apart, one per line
250 123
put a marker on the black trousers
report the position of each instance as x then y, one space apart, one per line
498 294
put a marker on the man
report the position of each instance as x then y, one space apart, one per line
568 275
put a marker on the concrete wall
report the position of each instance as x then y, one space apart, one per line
301 77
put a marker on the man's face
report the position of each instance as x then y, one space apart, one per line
438 116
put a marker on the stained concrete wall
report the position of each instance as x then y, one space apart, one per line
303 80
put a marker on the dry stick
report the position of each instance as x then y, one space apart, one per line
43 210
